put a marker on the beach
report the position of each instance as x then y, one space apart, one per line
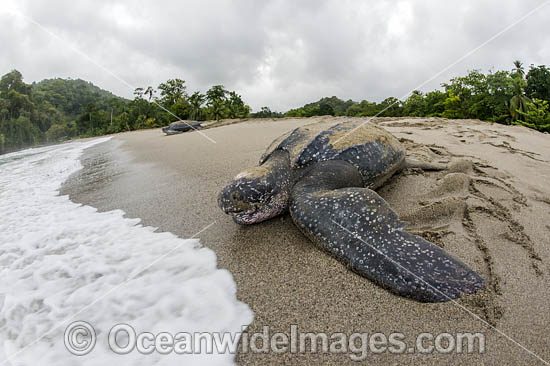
490 209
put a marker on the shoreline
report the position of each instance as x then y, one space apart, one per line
208 124
71 269
171 183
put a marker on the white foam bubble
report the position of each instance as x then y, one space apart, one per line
61 262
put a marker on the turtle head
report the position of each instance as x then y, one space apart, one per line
258 193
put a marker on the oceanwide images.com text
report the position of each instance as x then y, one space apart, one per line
80 339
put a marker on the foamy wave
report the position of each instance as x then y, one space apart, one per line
62 262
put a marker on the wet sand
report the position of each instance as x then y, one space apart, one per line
491 210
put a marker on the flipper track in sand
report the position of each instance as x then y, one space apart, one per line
469 194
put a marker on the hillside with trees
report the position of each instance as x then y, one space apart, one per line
58 109
71 97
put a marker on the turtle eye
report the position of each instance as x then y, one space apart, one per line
235 196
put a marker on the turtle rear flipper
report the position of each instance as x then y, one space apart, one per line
358 227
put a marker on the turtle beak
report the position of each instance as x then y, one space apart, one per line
239 212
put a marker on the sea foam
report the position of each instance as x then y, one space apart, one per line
61 262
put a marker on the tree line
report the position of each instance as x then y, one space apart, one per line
507 97
57 109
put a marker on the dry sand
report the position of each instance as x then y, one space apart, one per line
491 210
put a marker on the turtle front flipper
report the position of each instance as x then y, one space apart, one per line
359 228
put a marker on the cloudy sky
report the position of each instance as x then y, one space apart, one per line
276 53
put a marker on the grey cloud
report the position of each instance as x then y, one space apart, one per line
277 53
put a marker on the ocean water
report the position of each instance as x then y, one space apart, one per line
62 262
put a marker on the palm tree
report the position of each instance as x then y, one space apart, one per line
149 91
196 101
216 97
519 70
519 102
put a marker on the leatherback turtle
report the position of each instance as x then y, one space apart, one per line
181 126
325 174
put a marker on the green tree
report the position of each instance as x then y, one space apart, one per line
141 122
433 103
519 102
171 92
16 94
13 81
266 112
328 106
305 111
26 133
18 118
196 100
46 116
519 69
236 106
123 121
216 97
325 110
415 105
538 83
94 121
58 132
390 107
537 115
181 109
500 89
452 106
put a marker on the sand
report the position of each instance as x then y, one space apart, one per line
491 209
